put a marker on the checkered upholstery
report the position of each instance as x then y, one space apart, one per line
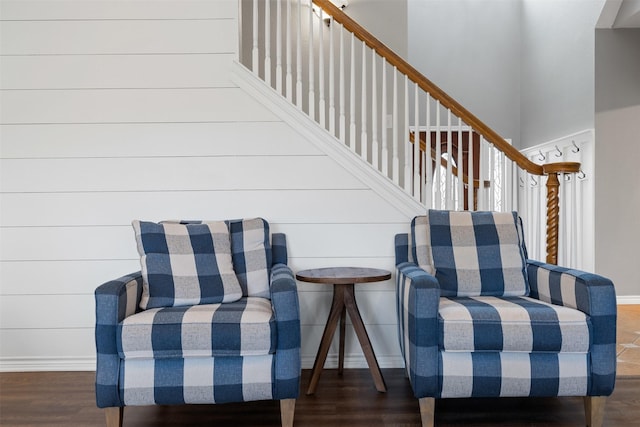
240 328
164 355
513 374
519 324
471 253
557 341
185 264
251 253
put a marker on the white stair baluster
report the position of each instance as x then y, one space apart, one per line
363 107
279 46
406 147
384 152
289 76
321 105
267 42
343 118
352 95
428 157
470 173
460 166
448 189
438 161
332 84
416 142
374 113
395 166
312 98
299 57
255 52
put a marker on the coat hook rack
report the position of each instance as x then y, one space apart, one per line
541 156
575 148
559 152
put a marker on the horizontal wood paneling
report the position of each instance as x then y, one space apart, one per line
61 277
107 37
47 311
156 139
130 106
117 242
47 343
174 174
67 243
363 240
116 71
116 9
83 276
118 208
136 116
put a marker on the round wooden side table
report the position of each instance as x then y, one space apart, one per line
343 280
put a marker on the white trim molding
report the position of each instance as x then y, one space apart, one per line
628 299
41 364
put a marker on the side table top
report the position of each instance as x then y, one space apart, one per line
343 275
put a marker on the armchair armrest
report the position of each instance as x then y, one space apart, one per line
284 299
592 294
418 299
115 300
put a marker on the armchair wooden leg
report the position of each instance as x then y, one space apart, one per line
287 409
594 410
114 416
427 411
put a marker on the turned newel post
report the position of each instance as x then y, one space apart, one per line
552 170
553 217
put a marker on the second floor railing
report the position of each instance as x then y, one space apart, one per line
374 102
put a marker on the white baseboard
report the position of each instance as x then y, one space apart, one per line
354 362
41 364
628 299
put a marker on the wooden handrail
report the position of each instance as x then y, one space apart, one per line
428 86
444 163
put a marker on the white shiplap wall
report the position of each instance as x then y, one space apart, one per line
115 110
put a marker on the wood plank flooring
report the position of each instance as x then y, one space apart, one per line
58 399
66 399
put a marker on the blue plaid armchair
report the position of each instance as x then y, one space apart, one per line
476 318
213 323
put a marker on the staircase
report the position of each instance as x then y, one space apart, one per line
366 98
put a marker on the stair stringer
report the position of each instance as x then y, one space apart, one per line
325 142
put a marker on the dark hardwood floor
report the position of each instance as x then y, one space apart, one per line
67 399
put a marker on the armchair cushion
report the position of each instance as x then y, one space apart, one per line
185 264
513 324
251 253
242 328
472 253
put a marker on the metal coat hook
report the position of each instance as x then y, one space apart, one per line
535 182
581 174
567 177
521 182
575 148
559 152
542 157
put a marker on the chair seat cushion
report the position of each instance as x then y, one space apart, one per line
242 328
511 324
